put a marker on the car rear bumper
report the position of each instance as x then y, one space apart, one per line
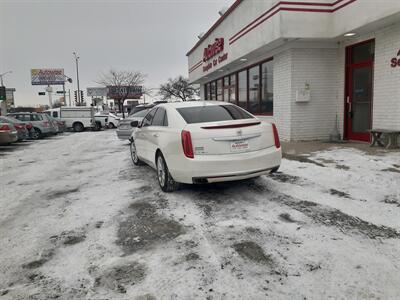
124 134
230 167
8 137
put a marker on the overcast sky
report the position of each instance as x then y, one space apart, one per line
145 35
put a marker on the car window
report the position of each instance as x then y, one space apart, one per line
165 119
213 113
55 114
141 113
149 117
36 117
158 119
21 117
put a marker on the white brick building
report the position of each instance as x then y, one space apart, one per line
306 64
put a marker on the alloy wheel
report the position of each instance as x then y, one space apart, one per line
161 170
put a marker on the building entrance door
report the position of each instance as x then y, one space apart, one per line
359 90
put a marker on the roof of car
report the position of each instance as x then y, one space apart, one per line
193 103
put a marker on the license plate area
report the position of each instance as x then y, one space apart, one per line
239 146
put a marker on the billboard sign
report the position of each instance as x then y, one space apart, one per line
47 76
125 92
97 92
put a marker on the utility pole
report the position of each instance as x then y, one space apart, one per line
49 91
77 76
65 99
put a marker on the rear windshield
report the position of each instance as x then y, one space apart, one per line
141 113
213 113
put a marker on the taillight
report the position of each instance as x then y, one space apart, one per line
17 126
276 136
5 127
187 144
28 126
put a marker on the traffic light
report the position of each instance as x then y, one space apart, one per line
42 93
2 93
82 96
76 96
60 92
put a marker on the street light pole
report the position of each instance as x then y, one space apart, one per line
77 77
1 76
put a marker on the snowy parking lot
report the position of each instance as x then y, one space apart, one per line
79 221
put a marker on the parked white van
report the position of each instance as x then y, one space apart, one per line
78 118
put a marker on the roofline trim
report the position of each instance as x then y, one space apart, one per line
219 21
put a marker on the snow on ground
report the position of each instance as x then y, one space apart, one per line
79 221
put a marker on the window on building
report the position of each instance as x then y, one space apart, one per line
254 90
226 88
267 88
232 88
213 91
242 89
219 89
206 92
209 91
362 52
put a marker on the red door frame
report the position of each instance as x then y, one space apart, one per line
348 92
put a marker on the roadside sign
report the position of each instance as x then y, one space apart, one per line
96 92
125 92
47 76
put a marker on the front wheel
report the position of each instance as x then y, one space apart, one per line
111 125
167 183
135 159
36 134
78 127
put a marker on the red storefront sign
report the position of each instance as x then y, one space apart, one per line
213 49
395 61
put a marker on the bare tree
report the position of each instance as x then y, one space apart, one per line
123 82
178 88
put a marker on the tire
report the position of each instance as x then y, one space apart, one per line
165 180
97 126
135 159
78 127
36 134
274 170
111 125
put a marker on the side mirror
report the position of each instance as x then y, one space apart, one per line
135 123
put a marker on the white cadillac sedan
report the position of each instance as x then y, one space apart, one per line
203 142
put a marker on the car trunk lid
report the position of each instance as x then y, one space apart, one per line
230 137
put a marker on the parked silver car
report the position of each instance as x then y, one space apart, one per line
40 124
53 123
8 134
21 127
125 129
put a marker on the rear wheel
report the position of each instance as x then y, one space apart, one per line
78 127
135 159
36 134
167 183
274 170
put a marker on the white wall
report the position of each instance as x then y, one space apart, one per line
314 119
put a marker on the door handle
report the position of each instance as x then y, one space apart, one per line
155 134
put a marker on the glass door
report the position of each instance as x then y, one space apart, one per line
359 91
